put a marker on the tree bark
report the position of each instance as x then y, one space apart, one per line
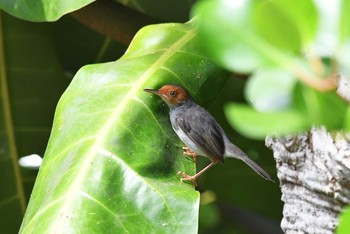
343 89
314 173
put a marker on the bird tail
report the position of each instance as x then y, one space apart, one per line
235 152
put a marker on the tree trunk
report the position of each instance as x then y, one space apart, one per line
314 173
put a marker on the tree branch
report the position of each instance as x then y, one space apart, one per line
322 85
314 173
113 20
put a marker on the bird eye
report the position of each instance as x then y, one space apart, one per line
172 93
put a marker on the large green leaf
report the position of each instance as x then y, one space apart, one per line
112 158
31 84
44 10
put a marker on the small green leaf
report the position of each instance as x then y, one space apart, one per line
258 125
273 24
344 222
343 50
285 24
226 31
344 21
270 90
346 126
245 35
343 58
326 109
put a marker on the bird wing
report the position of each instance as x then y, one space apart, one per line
204 131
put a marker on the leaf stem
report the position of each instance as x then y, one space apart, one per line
8 124
322 85
113 20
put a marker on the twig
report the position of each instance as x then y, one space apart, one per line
113 20
328 84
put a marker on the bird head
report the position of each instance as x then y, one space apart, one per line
173 95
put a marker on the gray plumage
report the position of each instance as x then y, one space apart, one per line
198 129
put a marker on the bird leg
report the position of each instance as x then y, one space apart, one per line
191 153
193 178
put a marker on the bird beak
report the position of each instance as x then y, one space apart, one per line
154 91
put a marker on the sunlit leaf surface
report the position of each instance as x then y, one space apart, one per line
112 159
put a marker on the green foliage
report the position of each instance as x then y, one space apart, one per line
48 10
281 44
78 186
276 95
170 11
45 10
309 108
344 21
317 108
31 84
256 125
285 27
107 166
233 184
251 34
344 224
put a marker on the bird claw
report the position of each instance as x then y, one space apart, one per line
191 153
186 177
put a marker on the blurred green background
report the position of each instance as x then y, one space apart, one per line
41 58
235 200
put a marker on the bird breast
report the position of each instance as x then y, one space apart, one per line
187 141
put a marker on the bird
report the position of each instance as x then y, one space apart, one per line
200 132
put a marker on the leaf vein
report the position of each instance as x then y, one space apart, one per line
125 165
153 116
103 206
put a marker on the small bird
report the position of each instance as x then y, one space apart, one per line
200 132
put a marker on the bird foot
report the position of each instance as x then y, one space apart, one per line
191 153
186 177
